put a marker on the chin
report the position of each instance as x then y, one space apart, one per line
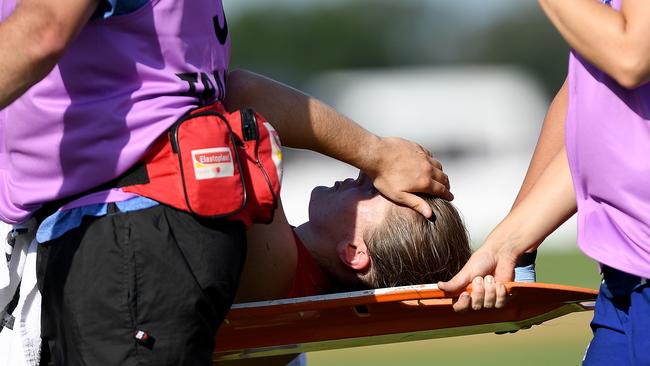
316 196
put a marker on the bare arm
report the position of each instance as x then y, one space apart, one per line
271 261
33 38
550 142
550 202
397 167
616 42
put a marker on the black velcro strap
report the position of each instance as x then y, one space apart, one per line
527 259
136 175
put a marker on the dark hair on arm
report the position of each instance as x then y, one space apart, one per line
409 249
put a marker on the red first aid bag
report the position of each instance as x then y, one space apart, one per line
216 164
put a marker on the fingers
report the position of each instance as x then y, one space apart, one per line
435 163
416 203
440 177
487 291
463 303
458 282
438 174
478 293
402 197
437 185
490 292
440 190
486 294
404 168
502 296
482 262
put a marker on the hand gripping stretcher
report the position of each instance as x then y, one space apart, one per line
389 315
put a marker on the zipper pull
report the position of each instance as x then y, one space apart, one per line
248 124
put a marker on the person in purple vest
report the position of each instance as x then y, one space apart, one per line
602 170
86 86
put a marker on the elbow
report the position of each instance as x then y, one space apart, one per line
239 79
237 74
46 43
235 84
240 89
631 79
632 71
235 80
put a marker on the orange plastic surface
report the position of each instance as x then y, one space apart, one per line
383 316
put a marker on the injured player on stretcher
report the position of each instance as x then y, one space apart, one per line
355 238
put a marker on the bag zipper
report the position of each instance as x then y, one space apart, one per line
250 131
249 127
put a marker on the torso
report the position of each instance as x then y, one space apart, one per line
120 84
608 146
278 265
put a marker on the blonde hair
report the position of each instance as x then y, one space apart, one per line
409 249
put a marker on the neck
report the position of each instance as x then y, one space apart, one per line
323 251
311 241
320 247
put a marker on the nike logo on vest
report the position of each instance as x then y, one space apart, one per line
221 32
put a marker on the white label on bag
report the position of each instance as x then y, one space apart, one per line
213 163
276 149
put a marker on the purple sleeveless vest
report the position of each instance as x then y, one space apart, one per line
120 84
608 147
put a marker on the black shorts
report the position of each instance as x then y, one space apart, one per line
147 287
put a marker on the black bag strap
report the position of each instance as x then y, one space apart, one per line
6 317
135 175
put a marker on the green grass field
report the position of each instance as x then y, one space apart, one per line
558 342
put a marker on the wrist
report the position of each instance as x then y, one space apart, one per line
527 259
507 240
369 155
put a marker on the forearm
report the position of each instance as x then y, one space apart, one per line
302 121
616 42
21 64
550 142
550 202
33 38
271 259
397 167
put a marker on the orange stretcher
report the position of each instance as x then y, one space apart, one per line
390 315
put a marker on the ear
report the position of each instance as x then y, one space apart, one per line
354 255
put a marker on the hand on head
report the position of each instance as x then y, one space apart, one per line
486 270
401 168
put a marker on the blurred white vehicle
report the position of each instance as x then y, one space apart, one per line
481 123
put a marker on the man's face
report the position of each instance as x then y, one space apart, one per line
348 209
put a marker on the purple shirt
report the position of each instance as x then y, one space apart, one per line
120 84
608 146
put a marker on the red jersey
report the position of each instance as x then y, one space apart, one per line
309 279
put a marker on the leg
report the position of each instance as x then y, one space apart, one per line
185 288
158 270
609 345
638 325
